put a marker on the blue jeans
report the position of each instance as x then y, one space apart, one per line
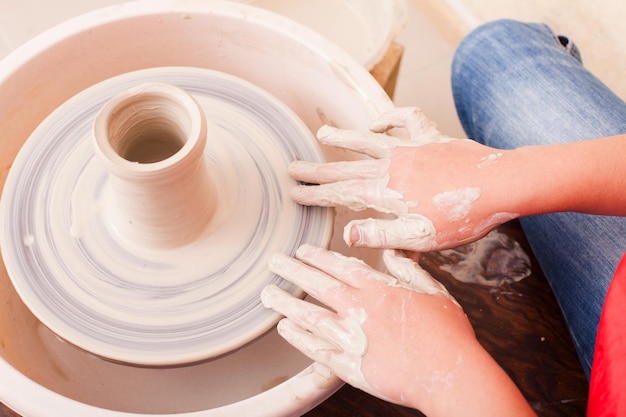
518 84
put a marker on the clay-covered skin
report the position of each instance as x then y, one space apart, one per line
441 192
356 296
430 184
398 336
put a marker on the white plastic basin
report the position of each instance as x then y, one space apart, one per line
363 28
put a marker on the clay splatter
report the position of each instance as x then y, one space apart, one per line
493 260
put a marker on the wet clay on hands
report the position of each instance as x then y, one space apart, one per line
433 186
400 337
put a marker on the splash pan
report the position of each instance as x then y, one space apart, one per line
42 374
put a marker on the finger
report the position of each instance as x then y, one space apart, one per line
368 143
411 275
352 271
419 128
338 171
313 281
311 317
302 312
413 255
345 366
354 194
410 232
403 117
315 347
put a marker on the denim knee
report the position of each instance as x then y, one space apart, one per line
517 84
508 33
492 34
480 57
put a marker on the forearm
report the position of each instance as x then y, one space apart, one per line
479 388
586 177
453 192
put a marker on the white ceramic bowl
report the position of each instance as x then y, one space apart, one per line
42 376
364 28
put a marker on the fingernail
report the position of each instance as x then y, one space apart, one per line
304 250
271 263
275 262
324 132
298 193
283 327
297 168
377 126
267 296
352 235
293 167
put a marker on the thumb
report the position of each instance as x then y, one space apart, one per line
409 274
410 232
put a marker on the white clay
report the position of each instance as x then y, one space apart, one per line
357 195
493 260
410 127
410 275
457 203
489 159
418 129
408 231
339 171
376 145
284 264
345 363
493 221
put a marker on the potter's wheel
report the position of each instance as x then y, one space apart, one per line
152 306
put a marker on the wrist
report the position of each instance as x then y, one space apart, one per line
476 386
585 176
538 181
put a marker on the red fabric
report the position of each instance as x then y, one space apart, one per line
607 391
